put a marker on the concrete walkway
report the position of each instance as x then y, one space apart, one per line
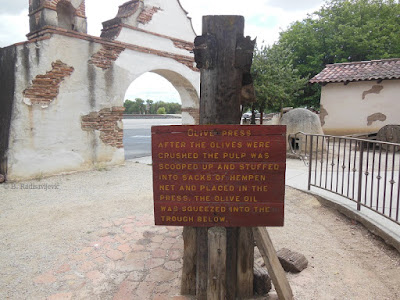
297 177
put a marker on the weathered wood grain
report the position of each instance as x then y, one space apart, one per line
188 283
216 284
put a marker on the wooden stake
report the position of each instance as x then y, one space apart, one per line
272 263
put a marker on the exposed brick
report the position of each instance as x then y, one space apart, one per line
106 56
107 122
184 45
147 14
81 11
45 88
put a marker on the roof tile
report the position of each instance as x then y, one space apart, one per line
360 71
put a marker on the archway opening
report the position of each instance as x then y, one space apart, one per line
65 15
150 100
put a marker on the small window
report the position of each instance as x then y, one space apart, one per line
65 15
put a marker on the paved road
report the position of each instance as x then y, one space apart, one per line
137 135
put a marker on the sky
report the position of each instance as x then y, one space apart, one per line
264 19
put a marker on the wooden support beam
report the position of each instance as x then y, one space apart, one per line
188 283
224 56
245 263
221 81
202 265
231 261
216 285
272 263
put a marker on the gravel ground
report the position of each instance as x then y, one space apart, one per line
39 229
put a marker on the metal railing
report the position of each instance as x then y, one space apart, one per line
363 171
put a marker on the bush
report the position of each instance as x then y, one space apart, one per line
161 111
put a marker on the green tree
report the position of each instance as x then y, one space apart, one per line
149 104
173 108
140 106
161 111
127 105
277 83
342 31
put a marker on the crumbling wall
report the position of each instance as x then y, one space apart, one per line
66 106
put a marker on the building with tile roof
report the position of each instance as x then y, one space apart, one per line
359 97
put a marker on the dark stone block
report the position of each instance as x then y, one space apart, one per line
292 261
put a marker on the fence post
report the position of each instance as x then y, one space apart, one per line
310 162
360 170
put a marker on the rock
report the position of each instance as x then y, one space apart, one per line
261 281
292 261
2 178
300 120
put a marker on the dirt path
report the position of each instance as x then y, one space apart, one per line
92 238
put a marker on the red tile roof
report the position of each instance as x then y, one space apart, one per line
360 71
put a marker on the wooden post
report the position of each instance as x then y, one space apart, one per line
272 263
231 262
221 81
188 285
245 263
201 263
216 264
224 56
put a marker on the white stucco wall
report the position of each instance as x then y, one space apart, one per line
147 40
347 111
171 20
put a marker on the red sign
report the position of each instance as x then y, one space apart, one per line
219 175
